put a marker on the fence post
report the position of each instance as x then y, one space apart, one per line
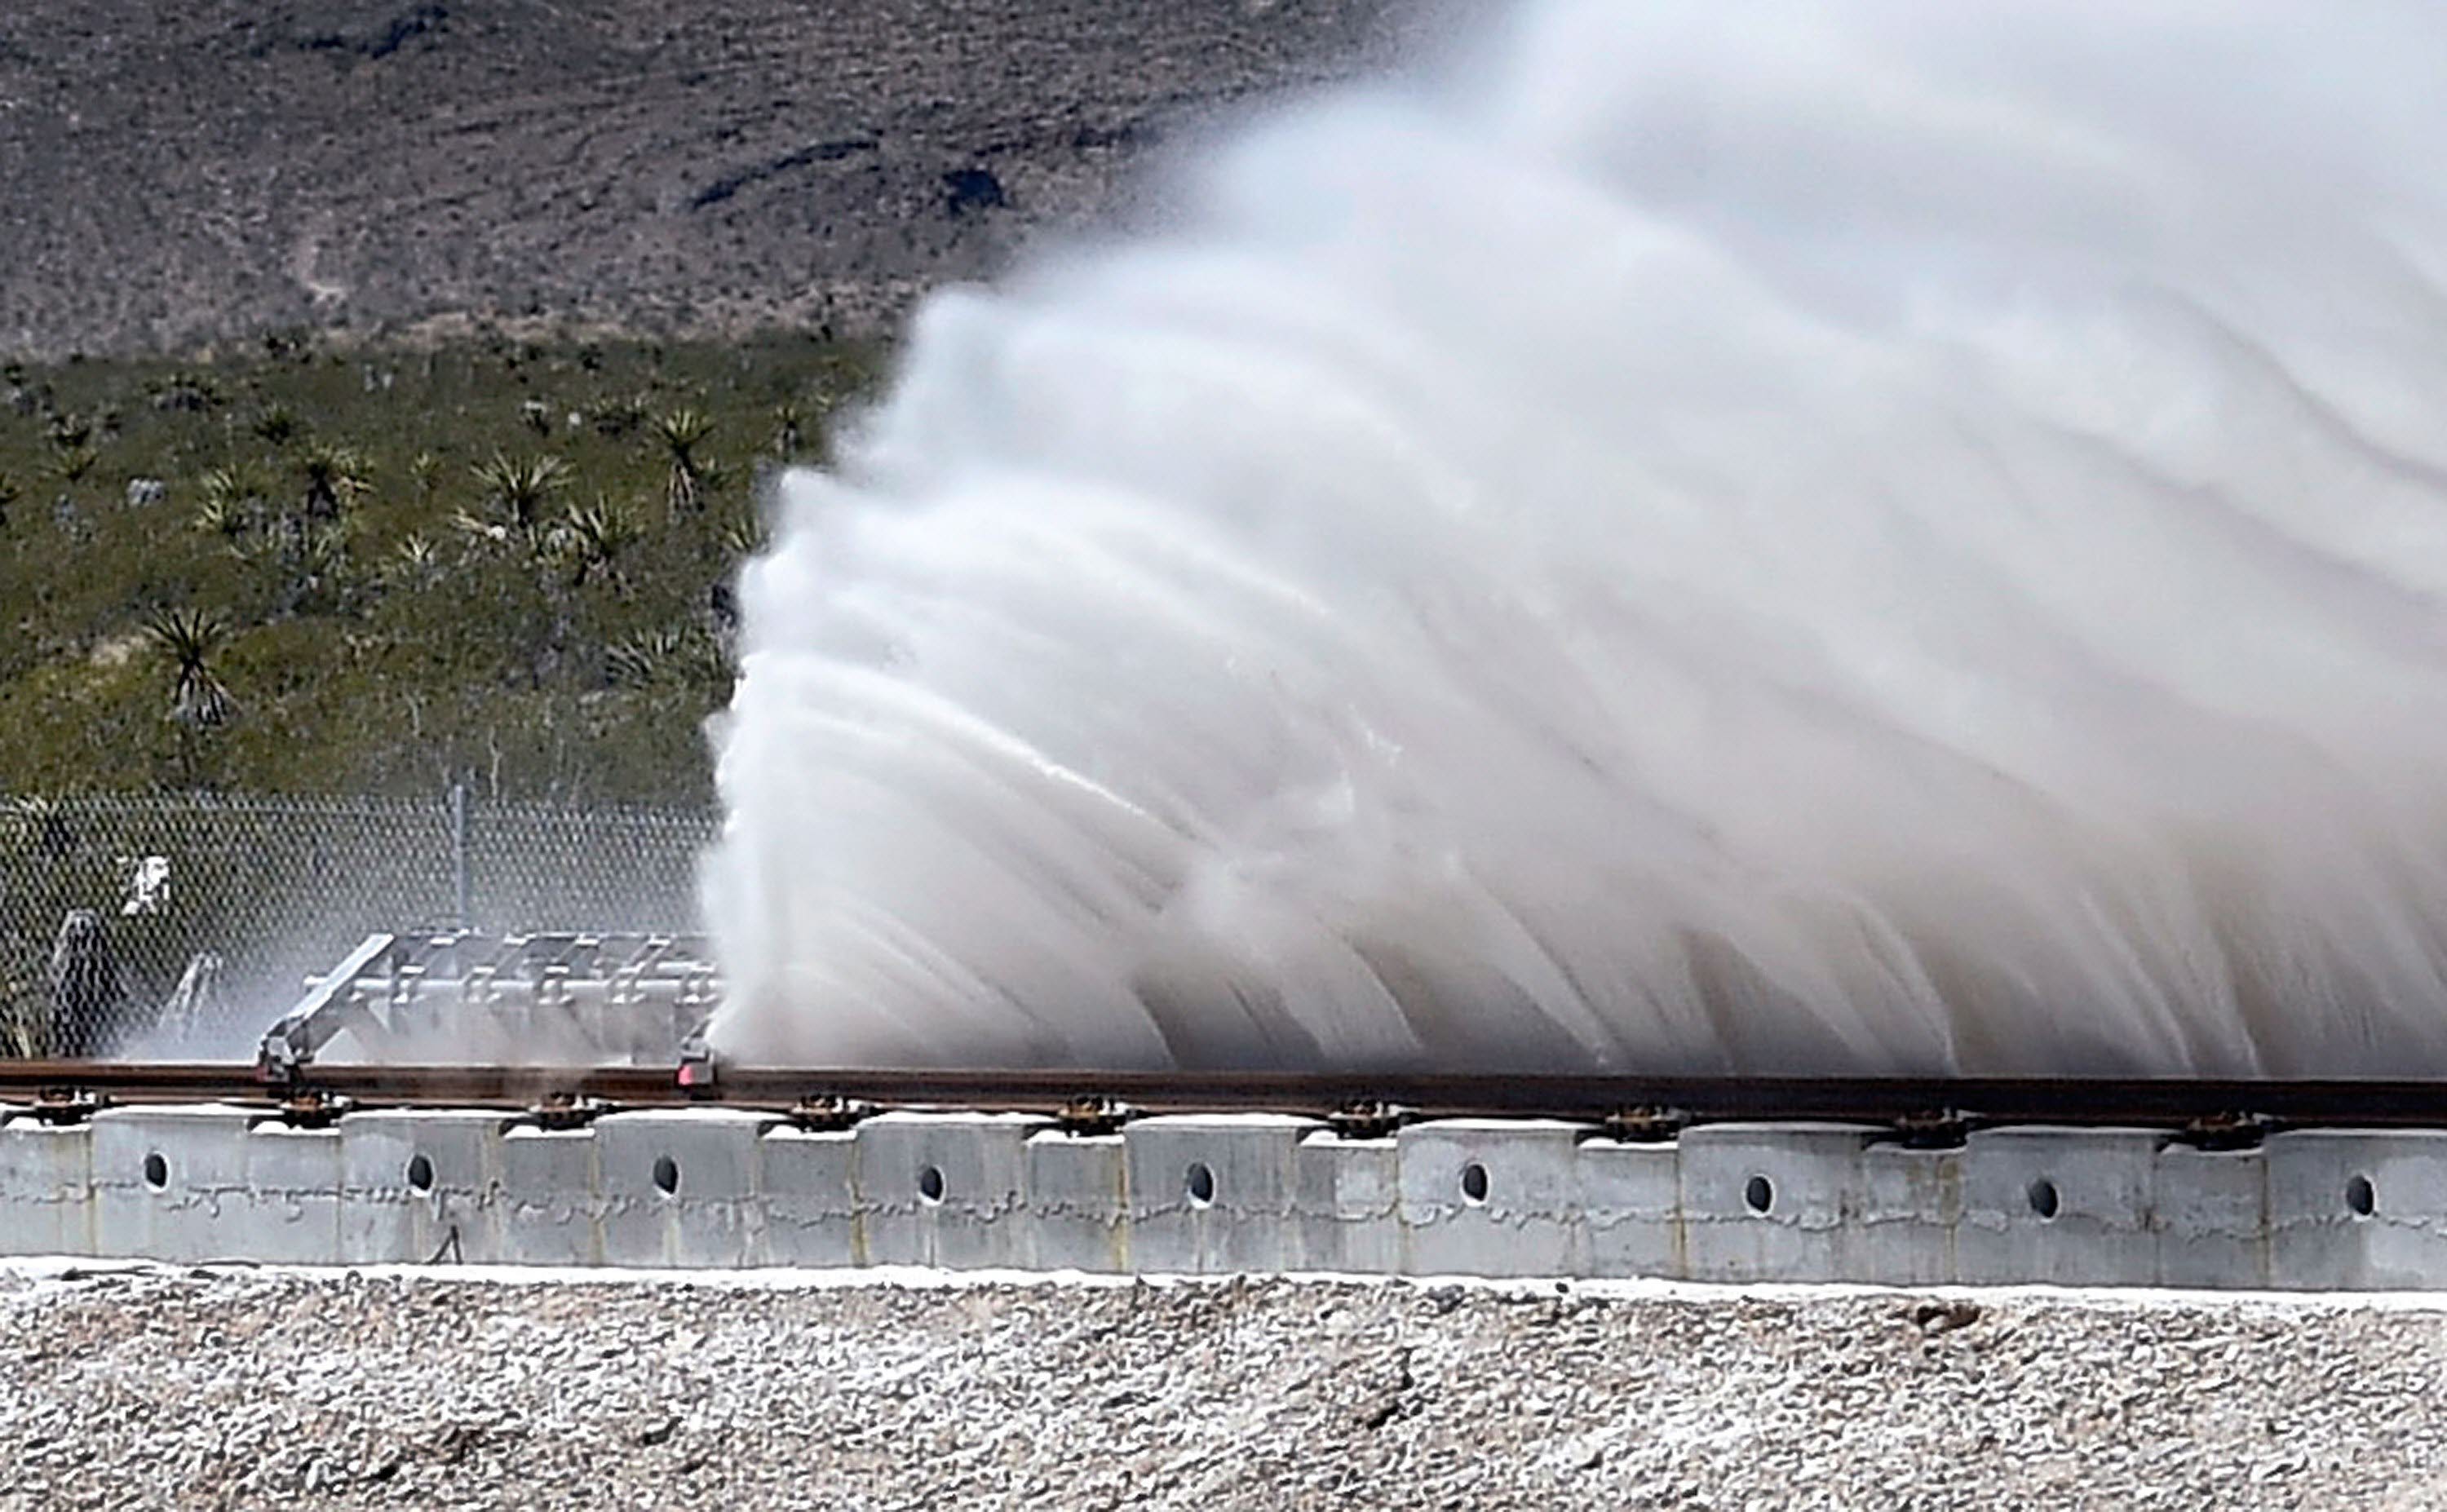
459 849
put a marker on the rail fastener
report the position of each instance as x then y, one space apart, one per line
65 1106
562 1112
1935 1129
312 1107
1093 1115
1368 1119
1645 1124
2227 1131
827 1114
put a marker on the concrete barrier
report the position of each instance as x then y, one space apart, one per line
945 1189
2331 1209
212 1182
421 1185
1214 1196
548 1209
811 1211
1770 1202
2208 1215
682 1188
1347 1203
1490 1197
1077 1190
1631 1207
46 1204
2356 1211
2070 1206
1908 1216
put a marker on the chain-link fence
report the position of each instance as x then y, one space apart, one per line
181 926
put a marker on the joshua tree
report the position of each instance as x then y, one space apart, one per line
229 502
521 488
217 515
790 428
615 417
745 536
685 657
11 493
71 432
797 421
73 463
333 477
683 431
278 424
416 563
188 640
425 471
314 555
597 540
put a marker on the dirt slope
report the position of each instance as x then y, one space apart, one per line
177 175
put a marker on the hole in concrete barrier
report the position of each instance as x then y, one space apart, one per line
2361 1196
1201 1184
156 1171
667 1176
420 1173
1759 1194
2043 1197
1473 1184
930 1185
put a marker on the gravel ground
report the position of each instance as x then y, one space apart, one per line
245 1388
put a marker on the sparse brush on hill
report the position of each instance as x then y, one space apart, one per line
194 392
333 632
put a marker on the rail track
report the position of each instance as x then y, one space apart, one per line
1632 1101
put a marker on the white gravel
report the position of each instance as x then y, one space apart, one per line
172 1387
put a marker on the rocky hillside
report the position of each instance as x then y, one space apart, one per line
175 176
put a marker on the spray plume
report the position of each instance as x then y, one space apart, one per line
1792 537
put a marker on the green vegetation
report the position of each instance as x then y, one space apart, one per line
315 570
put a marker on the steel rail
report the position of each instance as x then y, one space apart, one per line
2173 1103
